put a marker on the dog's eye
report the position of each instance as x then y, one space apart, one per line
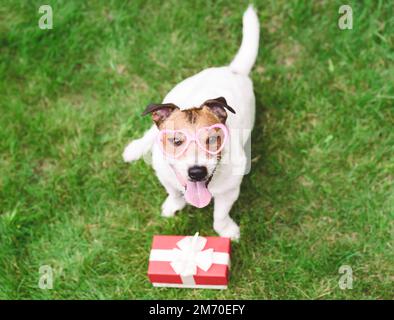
212 140
175 141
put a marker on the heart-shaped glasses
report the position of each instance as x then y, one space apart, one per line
211 139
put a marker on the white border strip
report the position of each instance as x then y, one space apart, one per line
194 286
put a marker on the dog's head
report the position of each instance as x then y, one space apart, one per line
192 139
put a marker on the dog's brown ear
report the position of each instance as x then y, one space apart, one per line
218 106
160 112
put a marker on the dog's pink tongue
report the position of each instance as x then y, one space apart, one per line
197 194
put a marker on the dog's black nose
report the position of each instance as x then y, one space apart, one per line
197 173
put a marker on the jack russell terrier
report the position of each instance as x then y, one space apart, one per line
201 133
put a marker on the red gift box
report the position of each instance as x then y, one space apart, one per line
189 262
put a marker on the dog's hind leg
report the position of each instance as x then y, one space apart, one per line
137 148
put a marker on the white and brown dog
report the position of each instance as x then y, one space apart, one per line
198 149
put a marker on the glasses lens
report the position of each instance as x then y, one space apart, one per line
211 139
173 142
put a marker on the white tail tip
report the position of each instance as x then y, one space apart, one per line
247 53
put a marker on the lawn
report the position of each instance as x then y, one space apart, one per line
320 192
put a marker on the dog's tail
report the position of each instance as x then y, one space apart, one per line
247 53
138 148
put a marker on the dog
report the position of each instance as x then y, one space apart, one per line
198 137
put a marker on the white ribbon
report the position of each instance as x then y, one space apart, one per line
189 255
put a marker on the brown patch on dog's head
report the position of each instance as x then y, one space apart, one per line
191 114
169 116
192 119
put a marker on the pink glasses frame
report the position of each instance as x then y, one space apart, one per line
193 137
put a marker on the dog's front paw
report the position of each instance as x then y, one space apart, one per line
172 205
229 230
133 151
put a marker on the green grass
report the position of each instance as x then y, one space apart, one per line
320 192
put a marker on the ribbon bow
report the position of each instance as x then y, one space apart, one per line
191 255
